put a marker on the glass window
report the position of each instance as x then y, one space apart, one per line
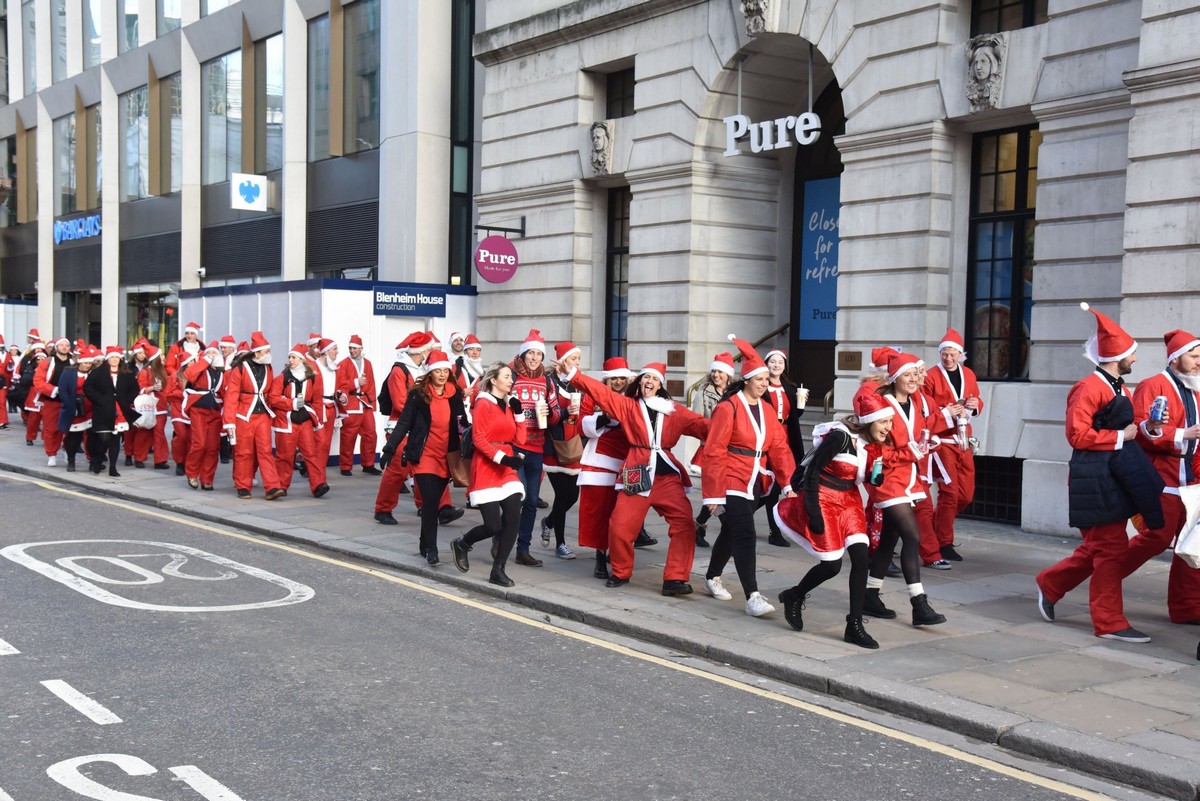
95 193
619 97
994 16
362 76
93 16
64 165
172 88
127 25
318 89
8 183
268 86
221 80
170 13
209 6
135 134
1000 264
58 40
462 133
616 318
29 45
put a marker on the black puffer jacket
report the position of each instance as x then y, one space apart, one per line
414 423
1111 486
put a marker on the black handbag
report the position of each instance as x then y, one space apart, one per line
637 479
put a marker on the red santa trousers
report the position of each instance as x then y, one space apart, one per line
1101 556
302 436
181 441
52 438
325 434
1183 586
595 509
923 509
353 427
955 496
4 405
667 498
253 450
204 447
143 438
33 424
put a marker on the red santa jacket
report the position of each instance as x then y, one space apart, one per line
901 457
496 434
177 353
283 394
939 390
205 386
1169 451
571 427
1083 401
45 379
145 379
351 398
243 391
674 422
739 449
400 380
604 449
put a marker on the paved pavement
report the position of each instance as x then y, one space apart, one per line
995 671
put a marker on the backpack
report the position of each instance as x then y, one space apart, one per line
466 448
384 398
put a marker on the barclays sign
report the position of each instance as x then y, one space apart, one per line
78 228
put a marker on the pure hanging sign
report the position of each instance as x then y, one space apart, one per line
772 134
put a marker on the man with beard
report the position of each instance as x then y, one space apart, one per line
1105 544
45 385
1171 445
189 345
247 416
355 393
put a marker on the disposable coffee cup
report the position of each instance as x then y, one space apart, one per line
542 415
576 397
801 396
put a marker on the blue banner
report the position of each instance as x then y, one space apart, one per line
408 300
819 259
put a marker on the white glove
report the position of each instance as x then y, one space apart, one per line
297 404
387 428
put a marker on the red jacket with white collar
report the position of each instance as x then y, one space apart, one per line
284 392
739 449
496 434
357 400
243 391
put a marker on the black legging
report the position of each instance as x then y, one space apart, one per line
736 539
770 501
106 440
566 493
899 523
430 486
823 571
499 517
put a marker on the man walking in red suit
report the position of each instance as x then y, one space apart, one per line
248 416
1105 544
45 384
356 398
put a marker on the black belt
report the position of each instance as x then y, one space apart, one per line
744 451
833 482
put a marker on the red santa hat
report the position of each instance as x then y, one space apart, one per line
870 406
616 367
187 358
881 355
193 328
113 350
417 342
752 363
1179 343
472 341
326 345
951 339
656 369
724 363
437 360
228 341
355 341
258 342
900 364
564 349
775 352
33 335
80 346
90 353
242 347
56 342
1110 343
434 338
37 346
151 352
535 341
457 335
214 346
313 339
301 349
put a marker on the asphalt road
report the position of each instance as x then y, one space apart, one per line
209 664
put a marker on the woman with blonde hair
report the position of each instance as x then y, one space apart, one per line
720 374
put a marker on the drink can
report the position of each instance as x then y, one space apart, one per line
1158 410
877 472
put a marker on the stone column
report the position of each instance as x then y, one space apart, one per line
294 192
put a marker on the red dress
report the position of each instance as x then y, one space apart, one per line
840 500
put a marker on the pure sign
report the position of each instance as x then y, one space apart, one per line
496 259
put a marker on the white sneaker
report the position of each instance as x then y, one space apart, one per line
563 552
716 589
757 606
52 461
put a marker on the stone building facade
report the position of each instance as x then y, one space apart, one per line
992 164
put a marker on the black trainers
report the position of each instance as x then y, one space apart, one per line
793 606
949 554
244 494
372 470
1045 607
385 518
1126 635
923 614
873 606
448 514
701 530
459 550
856 633
777 540
644 540
676 587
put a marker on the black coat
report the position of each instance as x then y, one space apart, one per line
72 402
105 397
415 421
1111 486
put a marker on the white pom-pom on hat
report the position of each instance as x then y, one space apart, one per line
1083 304
731 337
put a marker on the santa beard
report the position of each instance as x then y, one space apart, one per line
216 360
1192 382
298 372
264 360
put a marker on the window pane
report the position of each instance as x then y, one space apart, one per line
233 112
318 89
270 110
1002 278
1002 247
58 40
93 15
987 194
209 6
64 165
215 129
170 13
127 25
1006 153
135 135
362 76
174 107
460 171
8 186
1006 194
29 46
96 127
987 154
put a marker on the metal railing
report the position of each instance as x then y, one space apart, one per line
691 391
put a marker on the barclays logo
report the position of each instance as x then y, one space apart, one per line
79 228
249 191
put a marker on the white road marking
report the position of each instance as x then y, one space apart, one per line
81 703
205 785
6 650
5 796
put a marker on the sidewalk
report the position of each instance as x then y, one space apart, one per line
995 671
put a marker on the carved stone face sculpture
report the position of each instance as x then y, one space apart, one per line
985 70
983 63
755 12
601 148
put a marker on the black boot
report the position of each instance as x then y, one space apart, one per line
459 549
701 530
793 605
112 471
856 633
873 605
601 571
500 577
777 539
923 614
71 464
